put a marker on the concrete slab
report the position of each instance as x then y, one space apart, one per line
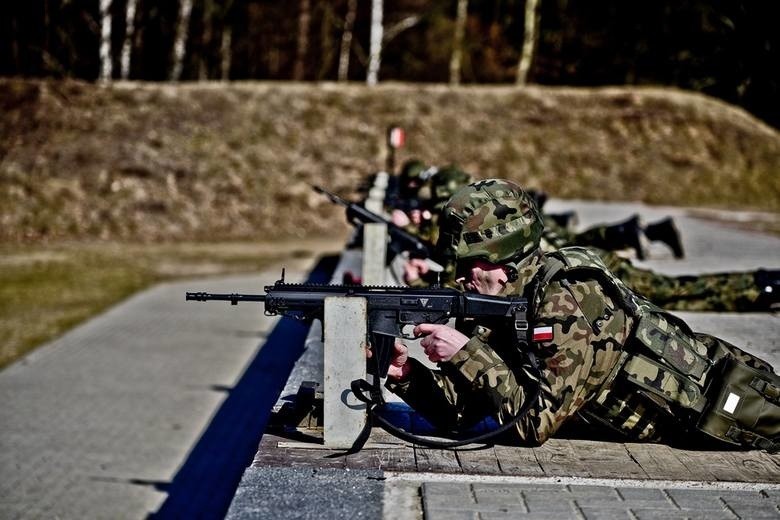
100 422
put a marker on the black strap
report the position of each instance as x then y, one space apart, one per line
360 386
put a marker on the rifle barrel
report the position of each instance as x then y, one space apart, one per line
233 298
332 196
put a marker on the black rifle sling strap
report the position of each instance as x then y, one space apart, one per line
360 386
374 400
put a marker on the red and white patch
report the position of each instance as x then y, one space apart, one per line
543 334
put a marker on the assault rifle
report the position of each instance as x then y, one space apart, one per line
390 309
400 239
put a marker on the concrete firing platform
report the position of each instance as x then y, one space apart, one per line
566 477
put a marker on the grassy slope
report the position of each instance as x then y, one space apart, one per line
234 161
137 163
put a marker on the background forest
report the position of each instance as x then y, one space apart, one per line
728 49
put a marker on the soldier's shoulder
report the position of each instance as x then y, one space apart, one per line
574 256
581 280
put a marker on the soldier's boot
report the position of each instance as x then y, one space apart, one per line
626 235
567 220
539 196
665 231
768 283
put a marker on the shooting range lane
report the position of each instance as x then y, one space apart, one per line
566 477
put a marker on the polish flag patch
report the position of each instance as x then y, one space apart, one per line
543 334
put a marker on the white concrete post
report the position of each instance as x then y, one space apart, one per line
374 252
344 417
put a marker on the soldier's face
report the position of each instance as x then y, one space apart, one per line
483 277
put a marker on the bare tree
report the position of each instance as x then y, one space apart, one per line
129 36
180 41
530 38
226 55
346 40
399 27
105 40
457 41
304 20
375 48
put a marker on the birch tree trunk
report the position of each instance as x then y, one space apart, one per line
118 34
375 48
304 20
346 40
105 40
530 38
457 41
129 37
179 44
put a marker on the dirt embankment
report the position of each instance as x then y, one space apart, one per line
155 162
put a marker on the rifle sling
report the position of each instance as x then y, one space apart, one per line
360 386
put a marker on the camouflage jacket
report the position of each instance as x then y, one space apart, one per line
587 361
488 375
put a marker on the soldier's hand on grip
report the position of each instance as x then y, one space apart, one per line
399 368
440 342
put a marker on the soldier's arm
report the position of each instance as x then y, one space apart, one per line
580 354
441 400
504 390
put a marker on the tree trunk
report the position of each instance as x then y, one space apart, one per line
129 37
302 48
346 40
530 38
225 53
180 42
105 40
457 41
118 35
375 48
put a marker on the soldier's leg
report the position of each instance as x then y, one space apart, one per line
626 235
729 292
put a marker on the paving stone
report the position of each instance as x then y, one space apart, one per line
96 422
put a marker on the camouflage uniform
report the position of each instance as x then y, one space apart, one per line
489 374
721 292
583 368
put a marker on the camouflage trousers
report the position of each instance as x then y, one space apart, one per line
724 292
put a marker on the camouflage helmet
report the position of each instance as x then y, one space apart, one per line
410 179
492 219
412 169
447 181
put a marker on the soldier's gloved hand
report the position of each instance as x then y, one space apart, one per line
414 268
399 367
440 342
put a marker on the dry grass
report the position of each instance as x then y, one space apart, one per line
146 164
46 290
155 162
